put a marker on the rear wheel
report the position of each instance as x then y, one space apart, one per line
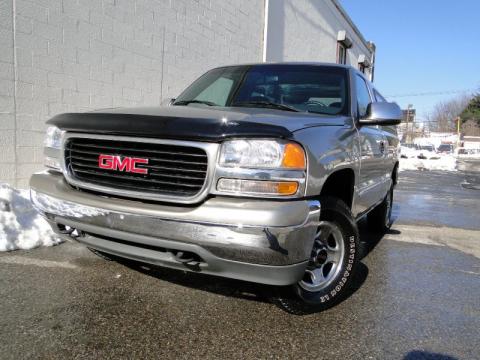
333 260
380 218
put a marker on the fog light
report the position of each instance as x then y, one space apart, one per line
257 187
52 163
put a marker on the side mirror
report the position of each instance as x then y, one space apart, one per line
382 113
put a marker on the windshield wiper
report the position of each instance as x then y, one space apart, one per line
186 102
318 112
268 104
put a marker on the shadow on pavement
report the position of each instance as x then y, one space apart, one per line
425 355
214 284
246 290
369 240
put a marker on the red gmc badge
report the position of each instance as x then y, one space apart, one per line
119 163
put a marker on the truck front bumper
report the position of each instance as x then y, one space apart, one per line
263 241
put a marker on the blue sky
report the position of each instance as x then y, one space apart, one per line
422 46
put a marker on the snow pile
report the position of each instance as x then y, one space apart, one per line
428 160
445 162
472 155
21 227
408 152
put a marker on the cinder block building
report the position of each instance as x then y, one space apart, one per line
77 55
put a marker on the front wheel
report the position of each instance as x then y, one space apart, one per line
332 263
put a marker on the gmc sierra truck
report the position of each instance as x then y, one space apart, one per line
256 172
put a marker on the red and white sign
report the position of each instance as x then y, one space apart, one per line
119 163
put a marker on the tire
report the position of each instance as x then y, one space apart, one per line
380 218
101 254
325 285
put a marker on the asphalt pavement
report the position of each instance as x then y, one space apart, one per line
417 296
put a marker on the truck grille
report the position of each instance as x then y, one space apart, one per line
163 169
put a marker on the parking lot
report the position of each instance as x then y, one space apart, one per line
417 296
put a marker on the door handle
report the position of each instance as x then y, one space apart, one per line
382 147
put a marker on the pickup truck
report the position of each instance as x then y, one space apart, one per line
255 172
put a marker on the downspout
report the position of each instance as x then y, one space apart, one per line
373 49
265 29
15 91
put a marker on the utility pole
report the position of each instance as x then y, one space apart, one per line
458 130
409 135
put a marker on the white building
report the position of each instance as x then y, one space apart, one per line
471 143
77 55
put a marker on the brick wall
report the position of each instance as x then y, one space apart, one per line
78 55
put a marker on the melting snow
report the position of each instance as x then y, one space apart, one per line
21 227
428 161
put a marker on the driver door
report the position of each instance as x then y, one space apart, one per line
371 184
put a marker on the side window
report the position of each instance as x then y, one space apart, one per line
217 92
363 96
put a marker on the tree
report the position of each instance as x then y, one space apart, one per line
471 128
470 117
443 116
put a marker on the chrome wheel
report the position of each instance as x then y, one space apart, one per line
326 259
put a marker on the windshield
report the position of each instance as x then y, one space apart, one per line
304 88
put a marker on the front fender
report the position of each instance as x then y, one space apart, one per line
329 149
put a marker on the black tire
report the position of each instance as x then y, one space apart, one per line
302 301
101 254
380 218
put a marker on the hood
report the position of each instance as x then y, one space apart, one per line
193 122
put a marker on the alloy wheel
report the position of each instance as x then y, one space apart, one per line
326 258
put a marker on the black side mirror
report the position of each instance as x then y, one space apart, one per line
382 113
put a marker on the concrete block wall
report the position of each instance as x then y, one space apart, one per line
76 55
305 30
7 100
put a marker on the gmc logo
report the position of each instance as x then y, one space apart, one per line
127 164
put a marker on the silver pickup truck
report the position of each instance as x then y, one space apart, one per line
256 172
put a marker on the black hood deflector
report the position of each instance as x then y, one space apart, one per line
152 126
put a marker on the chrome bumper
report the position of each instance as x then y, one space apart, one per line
255 240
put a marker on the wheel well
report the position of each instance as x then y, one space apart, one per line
340 184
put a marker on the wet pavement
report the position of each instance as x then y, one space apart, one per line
417 296
438 198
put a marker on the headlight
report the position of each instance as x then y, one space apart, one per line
53 142
261 168
53 137
269 154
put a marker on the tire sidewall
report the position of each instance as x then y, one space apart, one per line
329 295
390 210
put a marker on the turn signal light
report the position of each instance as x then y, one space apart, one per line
293 156
257 187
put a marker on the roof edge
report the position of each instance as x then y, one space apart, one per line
352 24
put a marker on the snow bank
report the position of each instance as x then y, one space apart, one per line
445 163
429 160
21 227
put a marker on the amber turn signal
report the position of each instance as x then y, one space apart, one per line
287 187
293 156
